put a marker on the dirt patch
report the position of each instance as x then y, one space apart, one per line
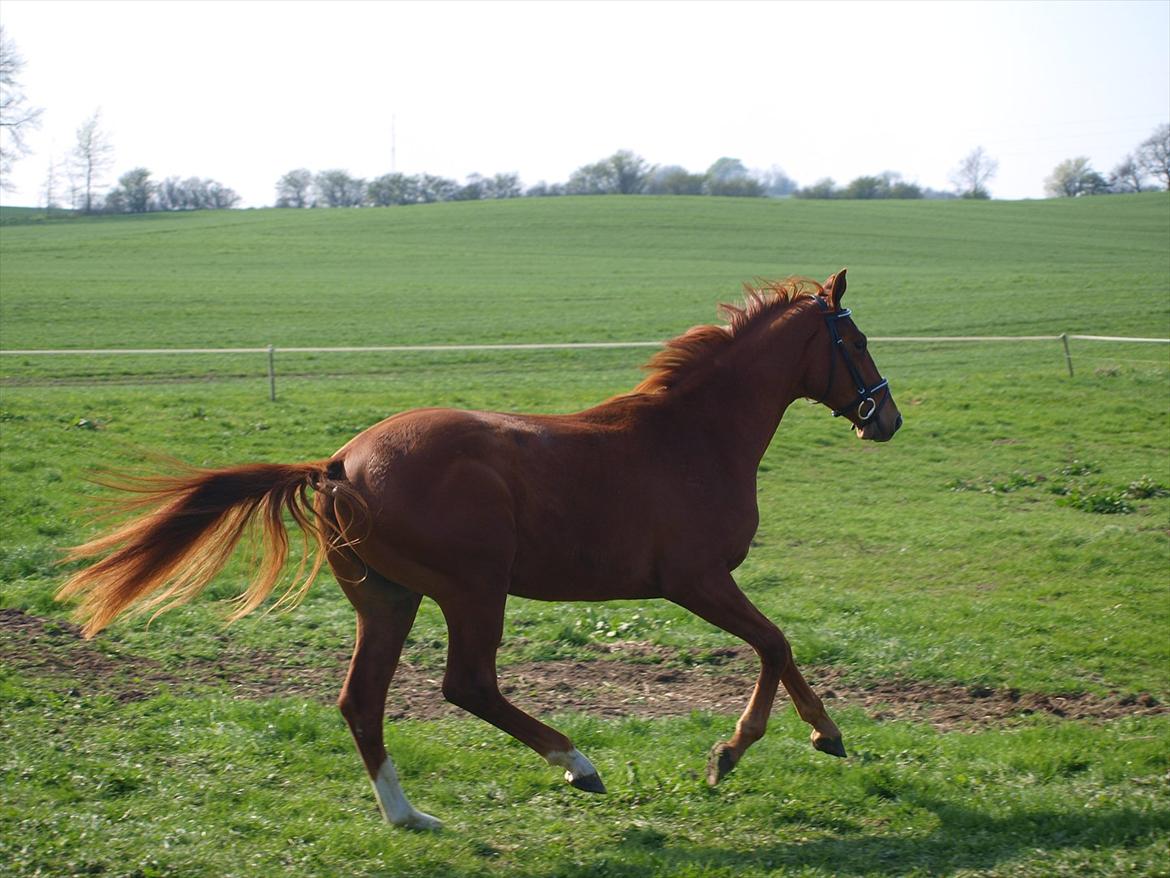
626 679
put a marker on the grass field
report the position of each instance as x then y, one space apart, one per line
1014 539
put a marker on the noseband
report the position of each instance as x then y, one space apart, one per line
867 407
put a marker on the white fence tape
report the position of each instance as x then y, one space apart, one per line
272 350
531 346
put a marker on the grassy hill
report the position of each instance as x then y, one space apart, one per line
577 269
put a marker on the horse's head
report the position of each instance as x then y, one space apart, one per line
844 377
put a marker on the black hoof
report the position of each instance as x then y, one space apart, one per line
590 783
832 746
720 764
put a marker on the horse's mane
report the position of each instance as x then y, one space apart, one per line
701 344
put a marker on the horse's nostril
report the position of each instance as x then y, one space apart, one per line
898 422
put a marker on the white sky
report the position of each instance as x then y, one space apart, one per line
244 91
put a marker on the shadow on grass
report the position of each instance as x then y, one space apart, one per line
965 839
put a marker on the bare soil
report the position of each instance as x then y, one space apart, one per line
626 679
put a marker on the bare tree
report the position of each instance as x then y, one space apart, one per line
16 116
974 173
91 157
1153 156
51 185
1128 176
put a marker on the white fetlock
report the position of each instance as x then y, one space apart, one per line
394 804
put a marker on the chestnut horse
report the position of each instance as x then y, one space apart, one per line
651 494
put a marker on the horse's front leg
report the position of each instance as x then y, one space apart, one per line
719 600
475 623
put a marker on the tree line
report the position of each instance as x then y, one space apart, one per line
626 173
623 173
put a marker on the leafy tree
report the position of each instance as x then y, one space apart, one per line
16 116
337 188
133 194
674 180
630 171
390 189
728 176
623 173
594 179
823 188
545 190
888 184
293 189
1074 177
503 186
776 183
743 187
973 174
865 187
726 169
1153 156
216 196
91 157
432 188
472 190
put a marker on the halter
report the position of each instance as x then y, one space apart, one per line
867 407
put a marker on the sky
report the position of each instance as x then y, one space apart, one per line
245 91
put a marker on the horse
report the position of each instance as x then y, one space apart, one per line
650 494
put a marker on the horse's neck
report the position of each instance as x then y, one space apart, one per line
738 406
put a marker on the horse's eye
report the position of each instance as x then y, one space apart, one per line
859 344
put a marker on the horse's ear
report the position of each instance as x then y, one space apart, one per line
835 289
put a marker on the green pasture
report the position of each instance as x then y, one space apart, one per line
1015 535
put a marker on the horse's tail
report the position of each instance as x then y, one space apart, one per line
166 555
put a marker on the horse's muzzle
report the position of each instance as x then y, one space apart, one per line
878 430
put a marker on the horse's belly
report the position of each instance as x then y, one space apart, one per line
568 570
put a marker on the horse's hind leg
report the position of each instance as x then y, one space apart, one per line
385 614
474 628
720 601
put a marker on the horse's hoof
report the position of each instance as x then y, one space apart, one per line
590 783
420 822
721 762
832 746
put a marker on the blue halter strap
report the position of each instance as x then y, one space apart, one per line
867 407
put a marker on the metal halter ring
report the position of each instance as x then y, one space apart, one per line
863 415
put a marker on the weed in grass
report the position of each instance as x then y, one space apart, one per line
1098 502
1079 468
1145 488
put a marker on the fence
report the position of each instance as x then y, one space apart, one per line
272 350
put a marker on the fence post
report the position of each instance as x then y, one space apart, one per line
271 373
1067 355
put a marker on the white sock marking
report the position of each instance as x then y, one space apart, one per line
576 766
395 806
